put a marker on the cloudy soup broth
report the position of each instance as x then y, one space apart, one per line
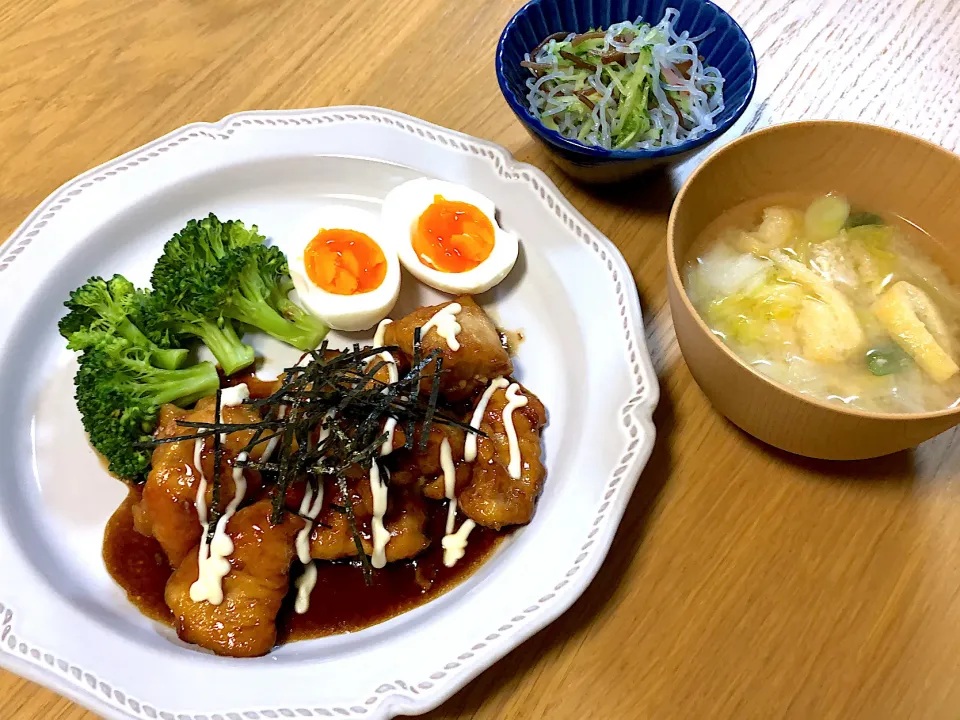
833 299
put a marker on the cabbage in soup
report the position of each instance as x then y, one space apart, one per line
835 302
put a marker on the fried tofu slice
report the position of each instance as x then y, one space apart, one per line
167 510
492 497
244 624
913 321
480 357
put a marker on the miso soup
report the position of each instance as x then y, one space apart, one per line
835 301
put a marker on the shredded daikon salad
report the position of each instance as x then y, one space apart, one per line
631 86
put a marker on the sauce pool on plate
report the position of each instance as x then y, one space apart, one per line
341 601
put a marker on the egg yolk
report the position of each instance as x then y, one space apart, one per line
345 262
452 236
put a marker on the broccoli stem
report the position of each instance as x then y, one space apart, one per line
184 387
263 317
224 343
171 359
311 326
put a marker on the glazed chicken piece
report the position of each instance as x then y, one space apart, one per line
423 469
244 624
491 497
167 510
480 358
257 387
405 520
384 373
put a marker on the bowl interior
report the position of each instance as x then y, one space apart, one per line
726 48
875 167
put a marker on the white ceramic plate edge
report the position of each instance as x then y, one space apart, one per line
17 654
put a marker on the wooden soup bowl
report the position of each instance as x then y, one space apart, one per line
879 168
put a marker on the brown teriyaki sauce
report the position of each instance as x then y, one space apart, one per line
341 601
136 562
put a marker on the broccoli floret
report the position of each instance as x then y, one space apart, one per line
119 394
176 315
114 306
223 272
187 283
196 250
255 284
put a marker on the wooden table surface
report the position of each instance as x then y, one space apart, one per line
743 583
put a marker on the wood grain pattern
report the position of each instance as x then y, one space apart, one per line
743 583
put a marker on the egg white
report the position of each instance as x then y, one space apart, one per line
344 312
403 207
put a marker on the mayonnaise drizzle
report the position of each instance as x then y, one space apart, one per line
212 556
381 536
514 401
231 397
213 563
446 325
275 438
449 482
454 543
378 341
393 374
470 445
378 489
309 508
455 546
201 502
388 427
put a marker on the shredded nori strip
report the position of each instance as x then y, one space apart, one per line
214 515
354 530
431 406
284 478
334 411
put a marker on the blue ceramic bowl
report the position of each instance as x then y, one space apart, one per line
727 48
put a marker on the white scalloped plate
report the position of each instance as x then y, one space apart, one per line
65 624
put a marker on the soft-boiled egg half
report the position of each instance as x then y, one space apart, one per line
345 271
447 236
